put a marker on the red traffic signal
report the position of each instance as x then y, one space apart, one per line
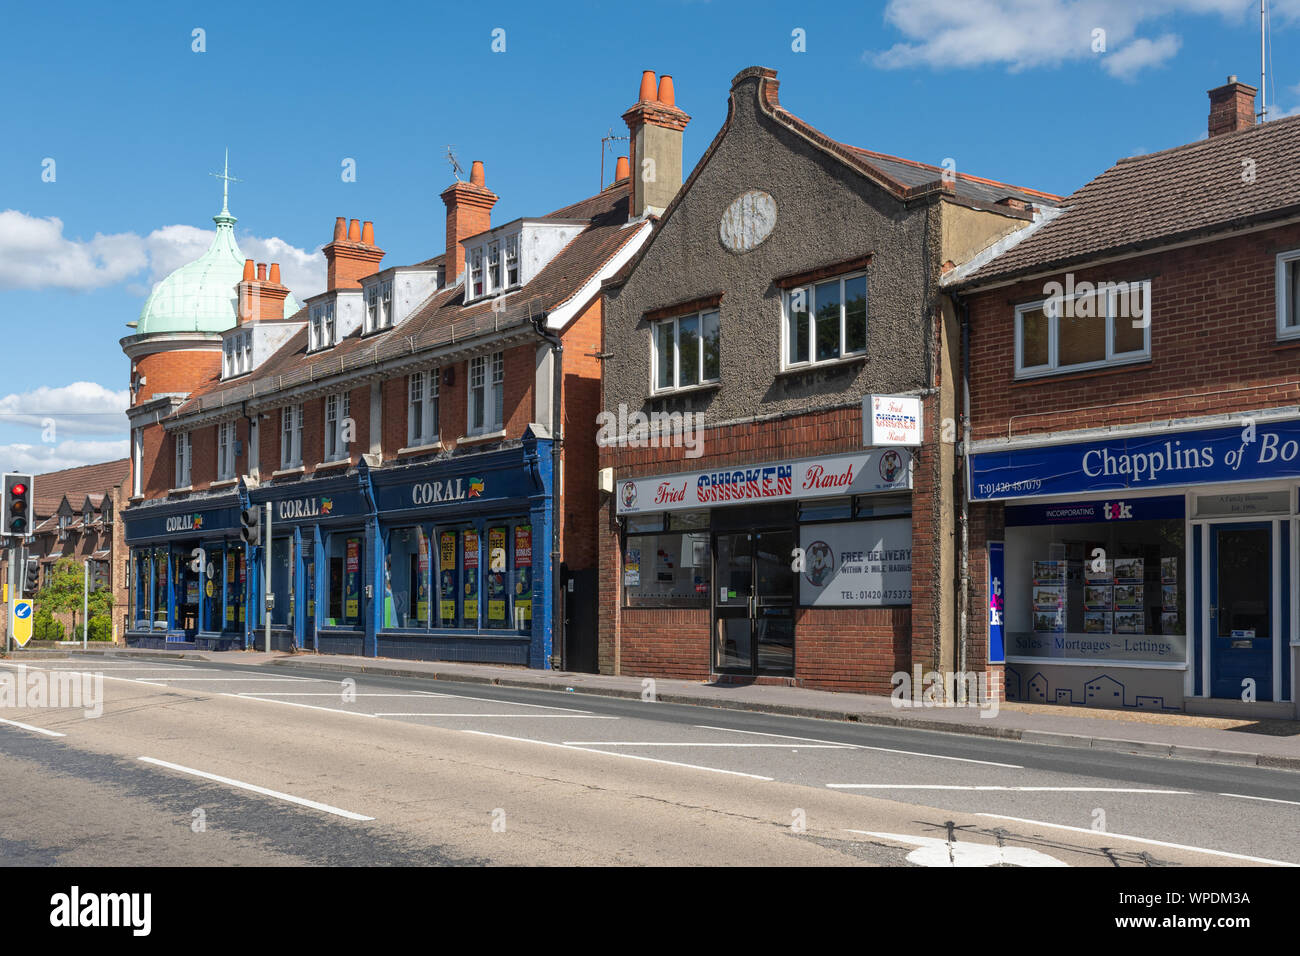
19 489
17 494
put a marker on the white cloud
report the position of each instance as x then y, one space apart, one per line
35 254
36 459
1024 34
80 408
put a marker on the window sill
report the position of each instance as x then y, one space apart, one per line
335 463
180 491
820 366
412 449
223 483
293 470
687 390
1066 375
486 436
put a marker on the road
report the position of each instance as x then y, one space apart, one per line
230 764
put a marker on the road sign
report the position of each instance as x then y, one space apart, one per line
20 621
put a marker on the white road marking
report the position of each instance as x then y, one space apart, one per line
514 703
528 716
316 693
664 743
946 786
1135 839
226 680
39 730
301 801
294 703
1246 796
614 753
931 851
887 750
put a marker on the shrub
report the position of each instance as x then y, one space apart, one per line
45 627
101 628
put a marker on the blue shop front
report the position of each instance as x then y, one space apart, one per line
446 559
1153 569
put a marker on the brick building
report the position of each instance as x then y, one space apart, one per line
75 516
1134 424
410 427
790 276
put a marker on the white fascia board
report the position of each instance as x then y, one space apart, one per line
563 314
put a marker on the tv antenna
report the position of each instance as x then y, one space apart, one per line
604 144
455 164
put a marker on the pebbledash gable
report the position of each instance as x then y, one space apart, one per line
751 532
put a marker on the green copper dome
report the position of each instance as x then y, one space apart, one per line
200 296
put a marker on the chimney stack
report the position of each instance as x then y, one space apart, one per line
261 299
1232 107
351 255
655 126
469 212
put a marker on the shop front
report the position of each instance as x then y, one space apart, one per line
188 574
1156 571
764 570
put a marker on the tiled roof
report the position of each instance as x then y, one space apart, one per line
76 483
1180 193
912 174
443 318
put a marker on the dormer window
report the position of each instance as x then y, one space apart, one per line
379 306
476 273
512 261
494 267
320 330
247 351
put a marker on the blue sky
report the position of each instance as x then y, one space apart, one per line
135 120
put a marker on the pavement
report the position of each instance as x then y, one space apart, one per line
1263 742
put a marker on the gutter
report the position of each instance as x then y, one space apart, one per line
962 308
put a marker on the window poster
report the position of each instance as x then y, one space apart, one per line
469 564
447 578
1097 622
1048 597
523 575
422 585
1169 570
352 580
496 574
1169 597
232 601
1129 571
243 577
1099 572
1049 572
1098 597
632 568
309 567
1129 597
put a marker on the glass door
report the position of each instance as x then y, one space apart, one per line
753 602
1241 609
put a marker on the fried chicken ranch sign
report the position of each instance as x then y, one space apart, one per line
885 469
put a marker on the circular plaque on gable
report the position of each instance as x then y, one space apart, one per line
748 221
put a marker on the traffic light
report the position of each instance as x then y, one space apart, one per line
17 505
250 526
31 576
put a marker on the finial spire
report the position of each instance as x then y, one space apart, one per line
226 180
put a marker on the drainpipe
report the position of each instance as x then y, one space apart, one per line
963 595
557 441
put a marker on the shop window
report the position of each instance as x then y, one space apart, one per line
1111 590
826 509
498 578
687 520
185 589
236 581
160 595
826 321
143 590
669 569
213 604
448 579
344 580
469 578
1096 325
685 351
879 506
422 408
406 579
1288 294
282 581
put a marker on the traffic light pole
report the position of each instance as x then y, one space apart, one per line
13 563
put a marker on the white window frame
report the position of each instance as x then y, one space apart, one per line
1113 358
492 280
246 351
422 402
493 386
379 306
477 287
320 329
336 413
290 436
225 451
810 290
184 459
675 322
511 256
1288 300
230 357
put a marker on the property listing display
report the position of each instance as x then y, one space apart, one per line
1108 590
